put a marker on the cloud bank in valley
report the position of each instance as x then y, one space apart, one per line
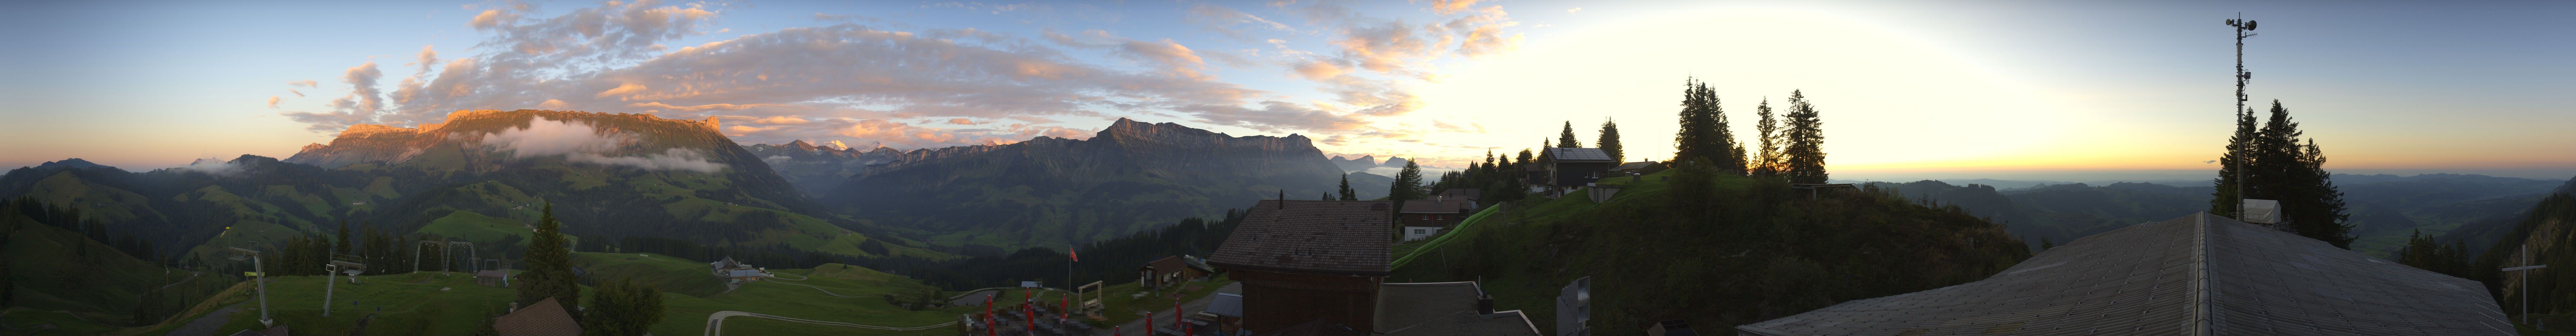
869 81
582 142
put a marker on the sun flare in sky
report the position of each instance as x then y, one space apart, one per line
1889 99
1905 89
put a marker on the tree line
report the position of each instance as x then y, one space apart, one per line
2269 161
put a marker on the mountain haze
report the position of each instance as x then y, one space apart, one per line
1053 191
478 176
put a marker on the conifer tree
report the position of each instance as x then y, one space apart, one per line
1525 157
1804 141
1347 193
622 308
1610 140
1566 139
2277 166
549 265
1769 162
1408 183
1734 160
343 247
2231 166
1704 135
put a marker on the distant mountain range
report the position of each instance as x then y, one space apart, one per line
817 169
1365 162
2385 208
481 176
1051 191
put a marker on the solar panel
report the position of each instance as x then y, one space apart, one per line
1578 154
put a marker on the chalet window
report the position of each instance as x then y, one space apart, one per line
1417 231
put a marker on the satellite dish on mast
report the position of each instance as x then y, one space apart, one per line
2249 24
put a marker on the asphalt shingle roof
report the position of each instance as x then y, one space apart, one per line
1431 206
1579 154
2196 275
1325 236
1442 309
542 319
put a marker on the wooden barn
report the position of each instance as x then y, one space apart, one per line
1303 260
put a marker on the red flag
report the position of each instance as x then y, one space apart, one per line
1068 253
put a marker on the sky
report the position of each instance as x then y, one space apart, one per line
1995 89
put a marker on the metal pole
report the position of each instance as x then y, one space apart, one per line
2241 114
262 283
329 276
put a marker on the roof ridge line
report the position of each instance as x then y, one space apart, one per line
2200 314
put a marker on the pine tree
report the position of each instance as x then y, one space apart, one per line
1610 140
1347 193
1704 134
1525 157
1692 143
2231 166
549 265
1804 141
343 247
1566 138
622 308
1408 183
2324 212
2271 163
1733 163
1770 127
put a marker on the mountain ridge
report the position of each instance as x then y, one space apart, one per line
1127 177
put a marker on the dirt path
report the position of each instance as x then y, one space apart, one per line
1164 317
205 326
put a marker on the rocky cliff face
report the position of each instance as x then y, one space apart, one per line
1131 175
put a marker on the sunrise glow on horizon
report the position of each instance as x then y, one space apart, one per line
1905 89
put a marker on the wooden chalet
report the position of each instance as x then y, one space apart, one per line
1303 260
1423 218
545 318
1573 167
1170 272
1533 174
2196 275
1461 194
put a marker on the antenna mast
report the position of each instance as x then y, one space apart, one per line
2243 30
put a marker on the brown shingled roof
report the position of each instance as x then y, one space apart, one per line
1462 193
546 318
1350 237
1431 206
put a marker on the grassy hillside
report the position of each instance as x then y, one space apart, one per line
81 286
476 227
449 303
1730 251
666 273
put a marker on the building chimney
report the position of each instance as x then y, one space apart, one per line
1484 304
